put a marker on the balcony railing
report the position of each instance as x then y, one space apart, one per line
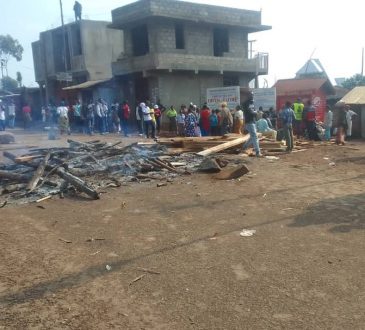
172 61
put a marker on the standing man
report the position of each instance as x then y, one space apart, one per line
139 118
158 115
11 114
298 108
2 116
309 116
238 120
99 111
77 10
288 117
63 121
77 116
204 120
27 118
250 120
125 113
90 117
328 119
172 114
349 115
148 122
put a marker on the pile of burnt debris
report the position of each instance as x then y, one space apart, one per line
90 167
87 168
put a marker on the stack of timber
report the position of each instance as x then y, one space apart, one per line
203 146
85 168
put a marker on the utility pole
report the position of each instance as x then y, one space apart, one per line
362 62
2 63
64 38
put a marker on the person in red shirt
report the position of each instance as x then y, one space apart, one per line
158 115
27 118
124 117
204 120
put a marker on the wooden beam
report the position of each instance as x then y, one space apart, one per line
25 159
224 146
38 173
77 183
14 176
9 155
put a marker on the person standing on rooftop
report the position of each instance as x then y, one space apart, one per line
77 9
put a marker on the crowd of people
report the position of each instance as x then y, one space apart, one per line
8 114
294 119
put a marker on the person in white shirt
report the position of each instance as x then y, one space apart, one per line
100 116
63 122
328 119
2 117
139 118
147 120
11 114
180 118
238 120
349 115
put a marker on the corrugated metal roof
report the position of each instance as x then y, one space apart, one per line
287 86
312 66
86 84
355 96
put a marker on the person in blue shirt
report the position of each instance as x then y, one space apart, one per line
288 117
250 118
263 127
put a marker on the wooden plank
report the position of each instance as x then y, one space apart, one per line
38 173
24 159
162 164
14 176
224 146
178 164
77 183
9 155
12 147
178 151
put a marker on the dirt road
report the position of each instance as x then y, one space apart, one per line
176 259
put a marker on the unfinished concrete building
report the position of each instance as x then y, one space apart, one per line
90 48
175 50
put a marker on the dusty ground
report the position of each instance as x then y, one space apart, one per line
303 269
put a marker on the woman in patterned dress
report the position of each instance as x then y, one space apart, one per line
190 123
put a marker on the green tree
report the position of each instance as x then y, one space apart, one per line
19 79
9 47
355 80
9 84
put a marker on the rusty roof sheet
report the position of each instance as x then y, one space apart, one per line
355 96
292 86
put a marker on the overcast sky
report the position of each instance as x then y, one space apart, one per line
332 31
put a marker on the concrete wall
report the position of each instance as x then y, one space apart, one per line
38 61
47 49
193 12
101 46
183 88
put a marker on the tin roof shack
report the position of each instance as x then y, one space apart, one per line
314 89
90 49
356 99
175 50
93 90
